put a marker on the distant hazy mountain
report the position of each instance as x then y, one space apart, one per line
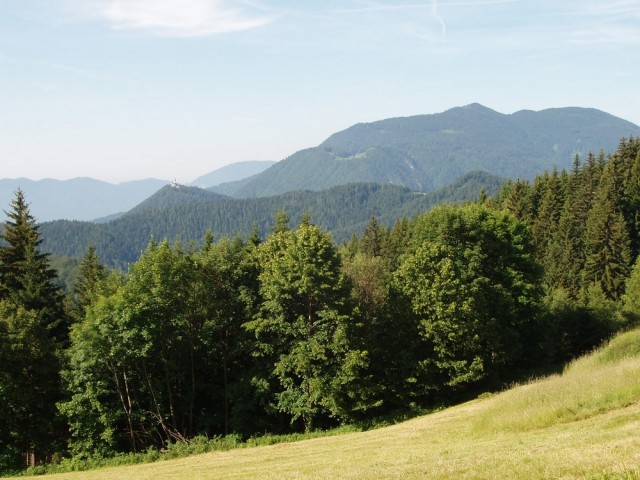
78 198
232 173
95 200
422 153
425 152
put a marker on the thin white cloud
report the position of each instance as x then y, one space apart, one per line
381 7
436 15
179 18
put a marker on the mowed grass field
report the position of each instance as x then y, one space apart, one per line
584 423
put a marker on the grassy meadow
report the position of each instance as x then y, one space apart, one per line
583 423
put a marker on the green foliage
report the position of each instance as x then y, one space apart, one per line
224 338
583 223
578 328
33 327
631 297
28 385
474 289
427 152
158 358
301 324
608 247
342 210
91 273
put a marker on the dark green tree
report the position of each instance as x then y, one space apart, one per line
91 274
545 223
565 256
474 290
223 298
517 201
29 387
608 250
383 332
34 323
631 297
628 155
372 239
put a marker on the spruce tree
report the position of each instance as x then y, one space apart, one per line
91 273
372 239
34 322
608 250
565 256
517 201
628 157
546 222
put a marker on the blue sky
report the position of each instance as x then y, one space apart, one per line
173 89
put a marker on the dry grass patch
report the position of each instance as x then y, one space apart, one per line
444 445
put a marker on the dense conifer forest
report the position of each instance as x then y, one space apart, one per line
187 213
290 331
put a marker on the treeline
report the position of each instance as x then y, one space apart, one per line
293 332
585 225
187 213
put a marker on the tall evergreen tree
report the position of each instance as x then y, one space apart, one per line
631 297
565 255
628 155
546 221
372 239
517 201
90 275
34 320
608 250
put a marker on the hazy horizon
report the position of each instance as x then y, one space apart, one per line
169 89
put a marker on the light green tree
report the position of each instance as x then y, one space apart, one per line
301 326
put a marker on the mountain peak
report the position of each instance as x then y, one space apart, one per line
425 152
474 107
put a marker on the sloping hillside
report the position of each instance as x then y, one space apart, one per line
188 212
426 152
581 424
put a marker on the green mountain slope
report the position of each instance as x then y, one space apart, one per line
187 213
426 152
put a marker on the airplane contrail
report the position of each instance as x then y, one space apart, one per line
436 15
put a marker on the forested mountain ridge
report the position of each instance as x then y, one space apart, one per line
245 335
172 195
423 153
188 212
426 152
